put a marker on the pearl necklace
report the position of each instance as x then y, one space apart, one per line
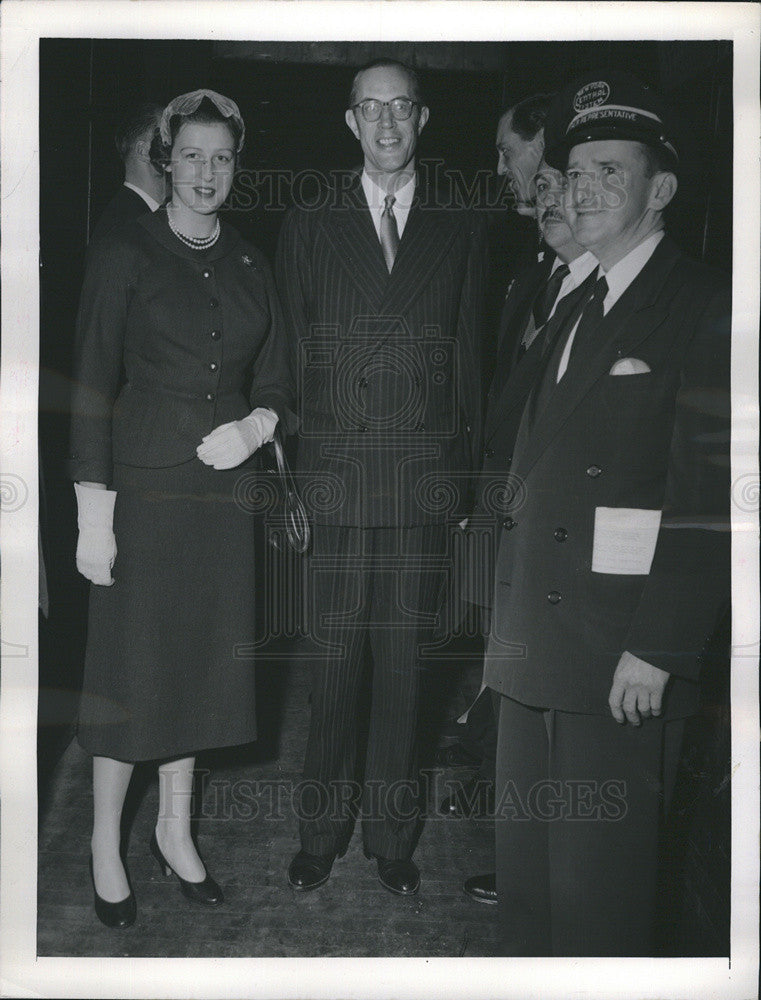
193 242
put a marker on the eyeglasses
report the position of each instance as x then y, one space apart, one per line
401 108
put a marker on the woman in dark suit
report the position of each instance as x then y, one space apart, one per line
179 336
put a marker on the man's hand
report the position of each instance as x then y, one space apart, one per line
637 690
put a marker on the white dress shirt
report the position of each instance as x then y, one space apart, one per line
150 202
376 199
619 277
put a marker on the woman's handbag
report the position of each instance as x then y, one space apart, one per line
294 513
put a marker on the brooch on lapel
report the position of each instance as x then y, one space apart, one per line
248 260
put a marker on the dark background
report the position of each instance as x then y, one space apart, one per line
292 97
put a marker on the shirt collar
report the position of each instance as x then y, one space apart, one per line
582 266
376 196
622 274
150 202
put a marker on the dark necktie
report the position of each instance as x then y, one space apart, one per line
389 234
547 294
590 320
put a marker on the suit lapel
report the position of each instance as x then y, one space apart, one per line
632 319
512 324
351 233
427 236
513 374
524 308
514 389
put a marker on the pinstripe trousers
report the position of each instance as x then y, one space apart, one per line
372 591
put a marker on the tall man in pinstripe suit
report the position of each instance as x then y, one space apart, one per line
383 290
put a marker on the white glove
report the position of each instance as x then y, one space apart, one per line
96 546
230 444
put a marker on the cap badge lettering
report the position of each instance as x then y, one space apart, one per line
590 95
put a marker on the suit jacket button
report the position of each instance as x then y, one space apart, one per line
209 397
489 452
508 523
213 366
206 273
213 303
420 426
560 534
363 383
553 597
215 334
594 471
362 428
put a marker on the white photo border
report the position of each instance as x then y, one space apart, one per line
22 24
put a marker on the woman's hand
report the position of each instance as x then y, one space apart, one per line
96 545
230 444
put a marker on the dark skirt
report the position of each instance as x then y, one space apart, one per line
169 668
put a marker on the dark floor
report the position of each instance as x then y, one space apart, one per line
352 915
247 834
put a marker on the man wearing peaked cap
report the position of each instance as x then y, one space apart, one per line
616 568
608 105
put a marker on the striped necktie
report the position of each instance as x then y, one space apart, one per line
389 234
542 306
547 295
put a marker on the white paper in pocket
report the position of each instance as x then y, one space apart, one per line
624 540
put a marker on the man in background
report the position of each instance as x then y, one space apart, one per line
471 740
539 300
143 189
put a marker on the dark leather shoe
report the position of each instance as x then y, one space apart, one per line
397 875
473 799
119 915
482 888
456 755
309 871
206 892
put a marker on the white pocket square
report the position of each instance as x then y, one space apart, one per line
630 366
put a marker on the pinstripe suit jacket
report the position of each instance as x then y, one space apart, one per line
387 364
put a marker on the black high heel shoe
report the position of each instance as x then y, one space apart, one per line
121 914
206 892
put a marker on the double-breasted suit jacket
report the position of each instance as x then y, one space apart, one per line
388 364
622 539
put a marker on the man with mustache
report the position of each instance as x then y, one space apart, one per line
538 300
473 737
382 290
615 570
